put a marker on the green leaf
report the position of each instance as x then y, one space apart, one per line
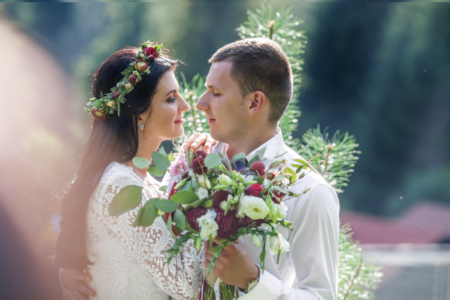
155 171
180 220
163 188
258 155
162 151
292 173
184 197
239 156
160 160
259 179
141 163
212 160
196 203
303 162
166 205
137 222
128 198
186 187
150 213
169 226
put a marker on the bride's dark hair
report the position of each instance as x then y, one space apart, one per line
112 139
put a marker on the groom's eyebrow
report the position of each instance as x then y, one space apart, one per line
172 91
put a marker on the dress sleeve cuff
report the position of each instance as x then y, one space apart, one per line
268 288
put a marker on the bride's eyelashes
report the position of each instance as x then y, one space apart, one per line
171 99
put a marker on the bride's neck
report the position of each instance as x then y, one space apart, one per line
146 147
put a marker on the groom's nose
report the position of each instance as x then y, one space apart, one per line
202 103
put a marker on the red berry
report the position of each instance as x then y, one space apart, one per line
133 79
258 166
141 65
98 114
254 190
116 94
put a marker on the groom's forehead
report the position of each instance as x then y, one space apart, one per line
218 72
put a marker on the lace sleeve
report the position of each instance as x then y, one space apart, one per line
182 278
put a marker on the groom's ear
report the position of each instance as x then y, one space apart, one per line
256 102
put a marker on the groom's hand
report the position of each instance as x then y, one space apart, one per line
234 266
74 282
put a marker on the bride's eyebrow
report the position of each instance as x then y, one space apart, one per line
172 91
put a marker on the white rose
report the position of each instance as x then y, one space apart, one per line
202 193
254 207
235 199
224 180
278 243
281 211
208 225
111 103
204 181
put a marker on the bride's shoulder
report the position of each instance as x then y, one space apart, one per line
120 174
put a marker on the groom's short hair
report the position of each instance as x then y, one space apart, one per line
260 64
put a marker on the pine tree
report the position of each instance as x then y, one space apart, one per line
334 157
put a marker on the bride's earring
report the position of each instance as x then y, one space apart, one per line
141 127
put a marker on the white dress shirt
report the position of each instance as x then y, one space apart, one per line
313 253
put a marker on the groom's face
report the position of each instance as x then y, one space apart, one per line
223 104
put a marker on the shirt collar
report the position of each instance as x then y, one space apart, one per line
273 146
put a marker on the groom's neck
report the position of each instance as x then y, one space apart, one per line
246 144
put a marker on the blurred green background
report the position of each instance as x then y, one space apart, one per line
377 70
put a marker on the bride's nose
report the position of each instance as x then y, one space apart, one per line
184 106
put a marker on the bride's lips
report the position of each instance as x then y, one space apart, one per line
211 121
180 121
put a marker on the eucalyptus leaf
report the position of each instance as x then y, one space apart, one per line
166 205
196 203
212 161
169 226
128 198
239 156
155 171
180 220
160 160
184 197
162 151
163 188
258 155
150 213
141 163
137 221
186 187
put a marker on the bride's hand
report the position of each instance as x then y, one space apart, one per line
74 282
202 141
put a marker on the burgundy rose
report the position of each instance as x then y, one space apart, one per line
193 214
133 79
218 197
201 153
116 94
228 224
198 165
150 52
98 114
247 221
141 65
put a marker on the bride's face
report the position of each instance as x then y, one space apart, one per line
164 120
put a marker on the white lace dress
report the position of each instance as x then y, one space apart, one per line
131 262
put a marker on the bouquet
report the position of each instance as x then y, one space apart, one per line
212 197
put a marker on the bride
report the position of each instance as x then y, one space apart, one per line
127 262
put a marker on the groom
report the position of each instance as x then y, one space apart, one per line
249 87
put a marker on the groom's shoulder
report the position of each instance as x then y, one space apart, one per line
311 179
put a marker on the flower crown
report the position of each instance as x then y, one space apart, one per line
110 102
